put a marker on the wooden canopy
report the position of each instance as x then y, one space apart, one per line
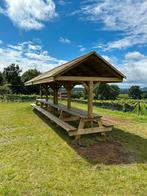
89 67
88 70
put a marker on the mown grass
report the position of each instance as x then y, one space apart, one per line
39 159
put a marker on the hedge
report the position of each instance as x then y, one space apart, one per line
120 105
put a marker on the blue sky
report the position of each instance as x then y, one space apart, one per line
45 33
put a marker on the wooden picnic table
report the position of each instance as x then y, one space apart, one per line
73 111
63 115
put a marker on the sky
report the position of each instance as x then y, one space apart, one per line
43 34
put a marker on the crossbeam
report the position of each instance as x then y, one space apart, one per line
95 79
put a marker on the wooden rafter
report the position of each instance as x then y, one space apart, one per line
81 78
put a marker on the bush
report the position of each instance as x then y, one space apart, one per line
119 105
4 90
77 94
19 98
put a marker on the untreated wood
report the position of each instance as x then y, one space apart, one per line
81 78
46 92
90 131
53 118
40 91
55 96
85 86
76 114
68 86
89 70
72 111
92 64
90 99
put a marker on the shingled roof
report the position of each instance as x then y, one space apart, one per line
86 67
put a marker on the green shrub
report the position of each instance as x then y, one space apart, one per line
4 90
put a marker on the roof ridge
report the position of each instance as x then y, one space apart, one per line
65 67
78 58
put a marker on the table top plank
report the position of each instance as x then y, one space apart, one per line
72 111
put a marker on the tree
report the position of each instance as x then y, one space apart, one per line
12 77
135 92
1 78
28 75
107 92
4 90
115 91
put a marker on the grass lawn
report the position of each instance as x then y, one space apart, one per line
39 158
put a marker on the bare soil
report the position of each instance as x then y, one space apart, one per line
108 152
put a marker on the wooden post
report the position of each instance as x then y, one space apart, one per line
46 92
55 100
90 99
68 98
68 88
40 91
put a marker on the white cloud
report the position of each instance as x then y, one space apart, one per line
62 2
27 14
120 44
1 41
134 55
27 57
2 11
134 66
82 48
64 40
128 16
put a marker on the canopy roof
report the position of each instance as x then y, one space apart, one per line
89 67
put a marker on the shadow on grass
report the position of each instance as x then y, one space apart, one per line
118 147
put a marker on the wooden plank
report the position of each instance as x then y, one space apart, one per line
72 111
41 81
55 119
90 130
81 78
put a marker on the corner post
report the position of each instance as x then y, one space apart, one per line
40 91
68 98
68 88
90 99
55 100
46 89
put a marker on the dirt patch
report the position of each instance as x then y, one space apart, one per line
115 120
112 152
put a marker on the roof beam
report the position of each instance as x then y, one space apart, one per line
40 81
80 78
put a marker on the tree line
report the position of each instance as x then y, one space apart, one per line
12 82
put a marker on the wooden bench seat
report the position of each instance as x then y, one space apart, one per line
55 119
73 114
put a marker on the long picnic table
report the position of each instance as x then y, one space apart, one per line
61 116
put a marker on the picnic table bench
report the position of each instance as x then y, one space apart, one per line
63 115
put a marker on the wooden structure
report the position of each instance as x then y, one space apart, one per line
88 70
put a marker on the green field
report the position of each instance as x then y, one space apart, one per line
39 158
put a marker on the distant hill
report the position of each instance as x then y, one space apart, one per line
122 90
144 89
